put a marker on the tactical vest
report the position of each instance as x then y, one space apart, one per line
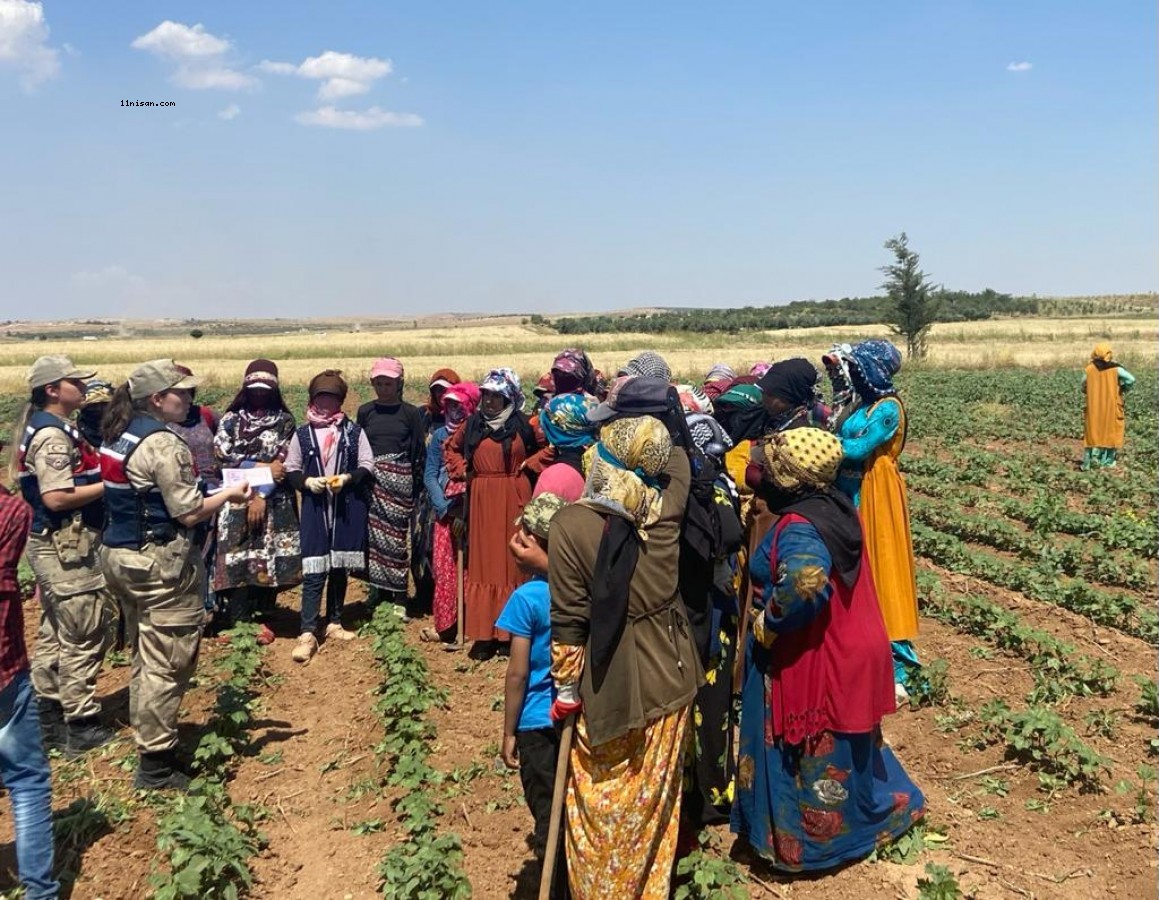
134 518
86 470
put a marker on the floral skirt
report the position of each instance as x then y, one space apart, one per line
446 599
623 802
831 799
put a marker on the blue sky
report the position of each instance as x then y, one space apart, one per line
519 156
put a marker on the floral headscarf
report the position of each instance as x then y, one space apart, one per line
877 361
565 421
631 453
759 368
571 372
504 381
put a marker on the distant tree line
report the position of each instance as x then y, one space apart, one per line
953 306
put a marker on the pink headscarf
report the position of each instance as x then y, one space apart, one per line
466 394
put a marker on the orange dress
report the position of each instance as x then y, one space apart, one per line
885 520
1105 420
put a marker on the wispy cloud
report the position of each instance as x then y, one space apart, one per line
341 74
24 42
358 120
1019 67
202 58
230 112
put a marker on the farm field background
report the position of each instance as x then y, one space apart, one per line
1036 743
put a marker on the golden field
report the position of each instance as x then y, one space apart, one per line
471 349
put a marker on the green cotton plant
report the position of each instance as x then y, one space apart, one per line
1039 736
204 840
426 865
939 883
706 875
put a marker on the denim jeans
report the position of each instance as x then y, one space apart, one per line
25 774
335 582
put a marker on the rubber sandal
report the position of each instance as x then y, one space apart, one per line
429 636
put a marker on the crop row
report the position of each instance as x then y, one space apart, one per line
206 839
1078 559
425 864
1115 610
1057 670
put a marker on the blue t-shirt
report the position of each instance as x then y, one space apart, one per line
528 615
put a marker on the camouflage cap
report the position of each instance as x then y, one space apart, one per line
51 369
97 391
159 375
537 515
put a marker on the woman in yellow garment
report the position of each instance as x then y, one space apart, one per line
1104 422
872 438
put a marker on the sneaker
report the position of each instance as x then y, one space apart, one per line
159 772
265 636
335 630
305 649
86 734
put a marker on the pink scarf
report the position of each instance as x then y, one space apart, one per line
328 421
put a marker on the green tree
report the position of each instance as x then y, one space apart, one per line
914 304
196 333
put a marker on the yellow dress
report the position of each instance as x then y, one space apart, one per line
885 520
1105 420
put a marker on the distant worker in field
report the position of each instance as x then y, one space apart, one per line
872 438
398 439
331 463
1104 420
258 551
59 475
149 556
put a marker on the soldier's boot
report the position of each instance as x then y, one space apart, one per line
86 734
52 727
159 772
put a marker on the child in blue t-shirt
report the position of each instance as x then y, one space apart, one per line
530 741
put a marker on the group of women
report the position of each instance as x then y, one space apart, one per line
713 527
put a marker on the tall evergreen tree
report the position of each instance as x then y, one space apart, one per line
914 303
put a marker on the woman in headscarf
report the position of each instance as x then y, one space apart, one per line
816 786
330 462
432 410
872 439
572 373
791 392
718 379
258 549
708 563
565 425
459 403
649 364
1104 418
490 452
399 442
624 662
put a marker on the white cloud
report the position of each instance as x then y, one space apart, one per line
357 120
1019 67
110 277
24 42
230 112
201 57
341 74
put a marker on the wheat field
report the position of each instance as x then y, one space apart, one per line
472 349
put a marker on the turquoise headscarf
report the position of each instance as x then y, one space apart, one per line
565 422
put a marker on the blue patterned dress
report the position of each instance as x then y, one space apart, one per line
832 797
